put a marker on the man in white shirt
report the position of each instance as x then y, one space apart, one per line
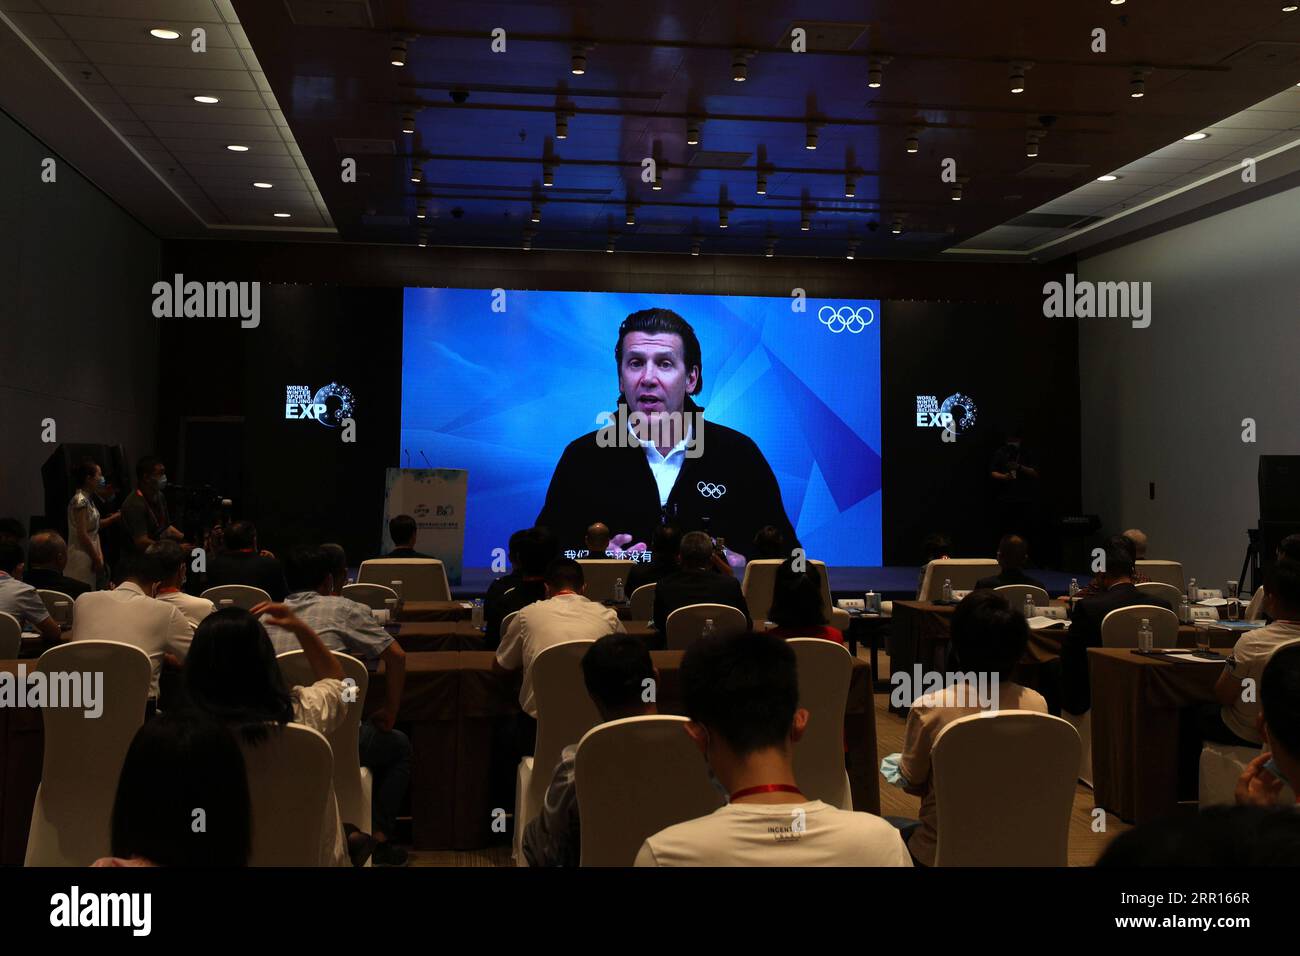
565 615
171 561
742 697
1237 691
129 614
20 599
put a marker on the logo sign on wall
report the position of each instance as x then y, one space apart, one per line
846 318
328 405
957 411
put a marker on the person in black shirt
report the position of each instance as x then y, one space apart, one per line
1015 486
537 548
701 580
664 546
1013 553
403 530
243 563
144 512
497 589
47 556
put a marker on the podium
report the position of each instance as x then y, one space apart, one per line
435 498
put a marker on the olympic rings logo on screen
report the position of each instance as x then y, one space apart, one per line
845 318
709 490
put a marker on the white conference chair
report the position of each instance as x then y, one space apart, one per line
289 783
962 572
1082 724
58 604
685 625
423 579
1004 789
506 621
1163 572
11 637
72 816
1255 610
759 584
1119 628
372 596
642 605
564 713
1015 593
1165 592
825 671
635 777
599 574
243 595
353 785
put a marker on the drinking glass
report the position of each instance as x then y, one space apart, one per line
1233 607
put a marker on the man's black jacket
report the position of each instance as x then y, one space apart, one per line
730 483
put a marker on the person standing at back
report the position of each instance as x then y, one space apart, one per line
85 553
144 512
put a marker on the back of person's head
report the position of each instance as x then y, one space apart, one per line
231 674
241 535
512 550
743 688
1289 547
696 550
1225 836
1279 698
179 762
169 556
565 574
1139 539
665 545
537 549
11 555
45 549
11 529
797 596
1282 583
615 670
338 563
1120 554
402 529
1013 552
144 468
82 471
144 568
935 546
769 543
597 539
989 636
305 568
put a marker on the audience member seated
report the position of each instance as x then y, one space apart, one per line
664 546
177 763
596 542
19 598
1220 837
12 531
797 609
1234 719
242 562
47 557
988 639
537 549
1138 541
337 559
144 512
564 615
1116 590
742 698
173 567
129 614
935 547
1279 725
769 544
703 577
231 675
1288 547
1013 554
403 530
616 670
349 626
499 586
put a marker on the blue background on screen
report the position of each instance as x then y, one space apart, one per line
502 393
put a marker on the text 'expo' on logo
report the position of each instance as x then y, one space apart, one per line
328 405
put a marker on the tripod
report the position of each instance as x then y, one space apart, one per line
1251 562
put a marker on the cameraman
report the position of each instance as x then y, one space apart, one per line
145 521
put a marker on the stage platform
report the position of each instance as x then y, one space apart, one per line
894 583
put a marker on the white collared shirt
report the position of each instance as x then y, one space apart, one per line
129 615
665 469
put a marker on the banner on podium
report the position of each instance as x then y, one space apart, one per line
435 498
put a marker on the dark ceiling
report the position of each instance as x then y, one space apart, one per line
486 120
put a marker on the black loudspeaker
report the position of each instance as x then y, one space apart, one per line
56 476
1279 488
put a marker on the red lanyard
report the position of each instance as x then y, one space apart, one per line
766 788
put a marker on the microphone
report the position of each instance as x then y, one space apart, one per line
408 457
426 458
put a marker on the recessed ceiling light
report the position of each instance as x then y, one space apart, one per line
1290 8
237 149
397 53
1108 178
1116 3
1195 137
282 215
262 185
162 33
206 99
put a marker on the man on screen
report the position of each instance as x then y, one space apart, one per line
655 460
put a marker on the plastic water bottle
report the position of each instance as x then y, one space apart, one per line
476 615
618 590
947 589
708 628
397 587
869 602
1146 639
1185 611
1074 588
1191 590
1029 606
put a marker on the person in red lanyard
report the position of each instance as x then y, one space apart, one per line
144 513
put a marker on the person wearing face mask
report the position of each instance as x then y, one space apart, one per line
129 614
144 513
85 553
